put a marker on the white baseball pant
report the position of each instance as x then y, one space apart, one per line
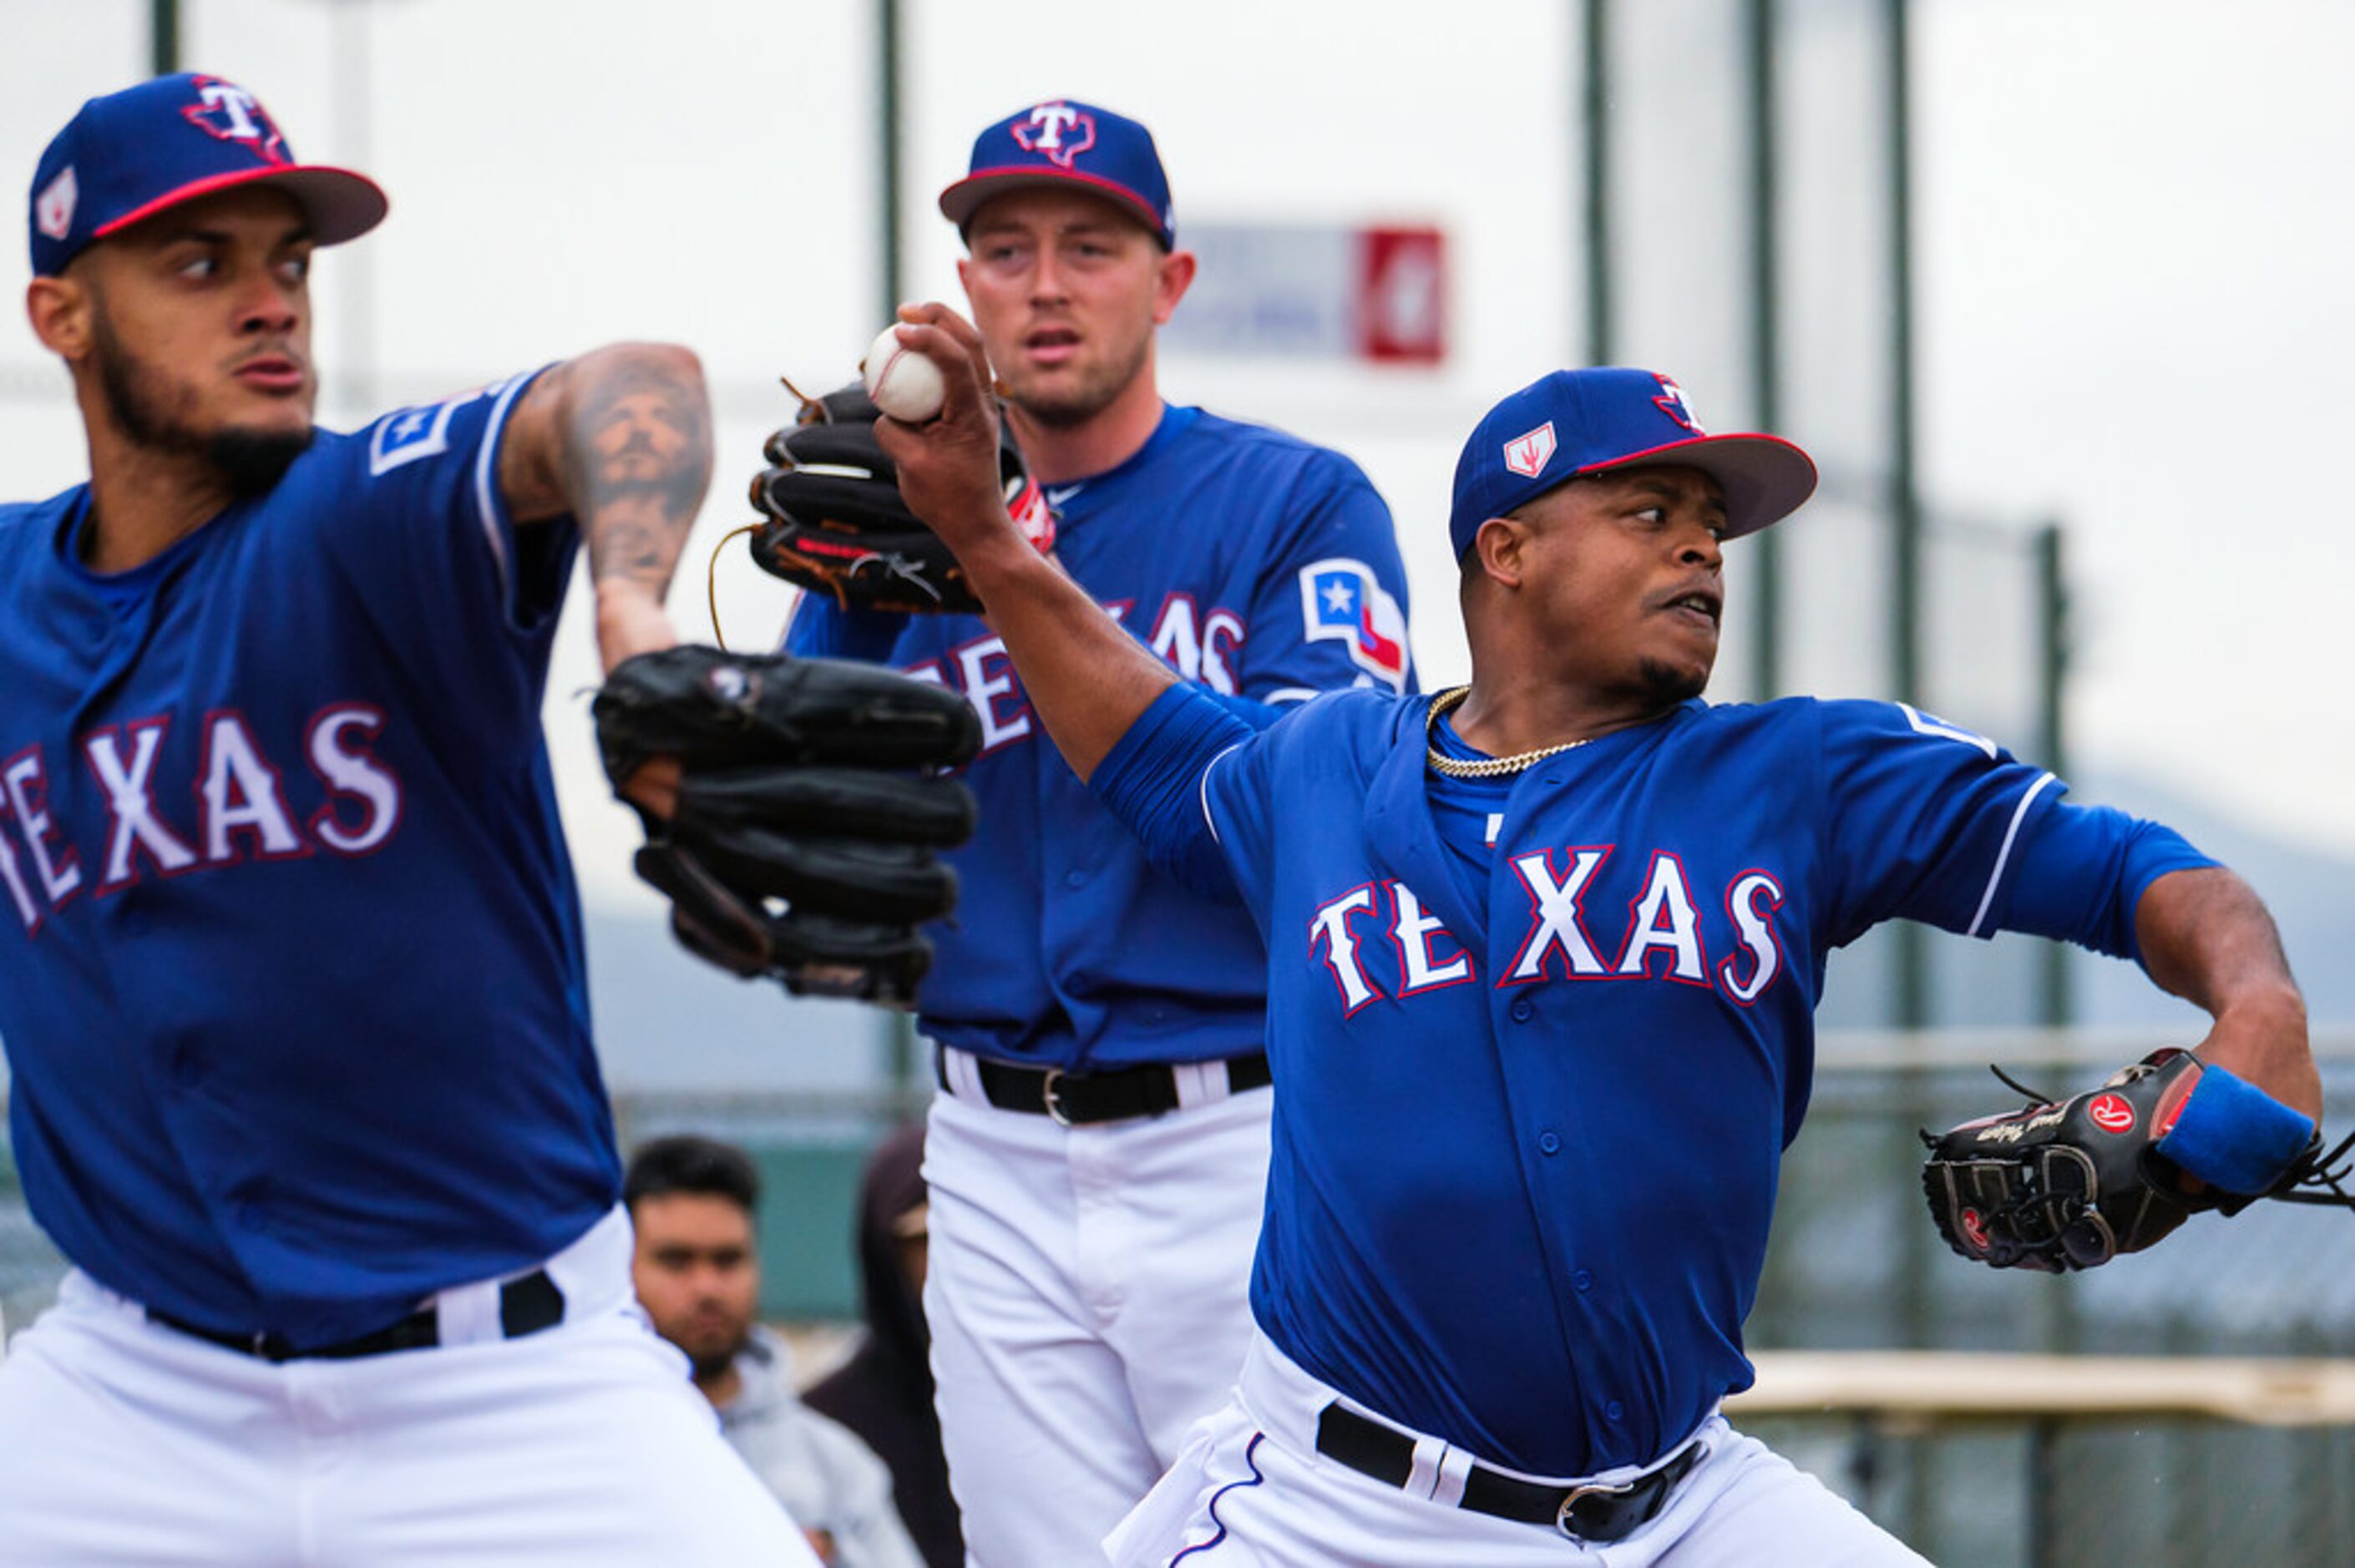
583 1446
1252 1491
1088 1293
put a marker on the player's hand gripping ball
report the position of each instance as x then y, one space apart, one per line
837 524
810 815
2064 1186
899 381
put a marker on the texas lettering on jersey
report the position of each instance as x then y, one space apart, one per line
1377 942
1199 647
242 806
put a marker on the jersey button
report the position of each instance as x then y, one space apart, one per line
1075 879
1614 1411
1582 1281
186 1070
1521 1010
1549 1143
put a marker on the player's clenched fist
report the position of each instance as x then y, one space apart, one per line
948 467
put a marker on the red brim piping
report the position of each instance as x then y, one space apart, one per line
340 203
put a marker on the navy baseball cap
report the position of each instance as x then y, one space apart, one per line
132 154
1064 141
1578 422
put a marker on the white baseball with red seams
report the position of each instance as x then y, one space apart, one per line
903 383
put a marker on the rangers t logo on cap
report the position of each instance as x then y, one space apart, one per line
1043 132
1672 403
233 114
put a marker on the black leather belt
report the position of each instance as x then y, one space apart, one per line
1586 1512
1082 1099
526 1307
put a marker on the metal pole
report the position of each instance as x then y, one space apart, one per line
886 98
2055 1004
1596 67
163 38
1904 506
356 268
2045 1520
1766 329
1917 1315
900 1028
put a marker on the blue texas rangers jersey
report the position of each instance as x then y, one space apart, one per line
1255 564
1538 1054
291 968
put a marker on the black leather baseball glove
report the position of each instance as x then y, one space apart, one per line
836 523
810 813
2071 1184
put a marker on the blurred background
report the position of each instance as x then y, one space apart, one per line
2053 290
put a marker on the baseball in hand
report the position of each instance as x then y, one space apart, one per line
903 383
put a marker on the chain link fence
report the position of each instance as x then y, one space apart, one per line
1855 1265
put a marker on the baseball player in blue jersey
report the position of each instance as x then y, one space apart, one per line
291 968
1097 1155
1542 954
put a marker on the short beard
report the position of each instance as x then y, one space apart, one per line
252 461
711 1367
247 461
1665 685
1068 409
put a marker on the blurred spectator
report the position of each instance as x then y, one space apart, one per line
692 1201
884 1391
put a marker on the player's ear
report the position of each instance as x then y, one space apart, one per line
59 311
964 275
1501 549
1175 276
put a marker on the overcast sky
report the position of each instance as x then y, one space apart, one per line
2132 240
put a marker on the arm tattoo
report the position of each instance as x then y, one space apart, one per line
637 458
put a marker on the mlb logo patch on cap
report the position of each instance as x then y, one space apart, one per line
130 154
1076 145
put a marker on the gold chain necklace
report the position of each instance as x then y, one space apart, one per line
1489 768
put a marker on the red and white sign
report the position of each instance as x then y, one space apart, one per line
1309 292
1402 295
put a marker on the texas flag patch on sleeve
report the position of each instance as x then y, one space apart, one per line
1340 600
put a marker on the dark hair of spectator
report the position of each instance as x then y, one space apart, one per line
685 1162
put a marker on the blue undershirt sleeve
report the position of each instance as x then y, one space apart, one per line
1151 779
2081 870
1251 710
822 630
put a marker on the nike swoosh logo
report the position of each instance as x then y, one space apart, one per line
1057 497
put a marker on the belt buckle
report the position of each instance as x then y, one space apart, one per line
1576 1495
1049 1096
